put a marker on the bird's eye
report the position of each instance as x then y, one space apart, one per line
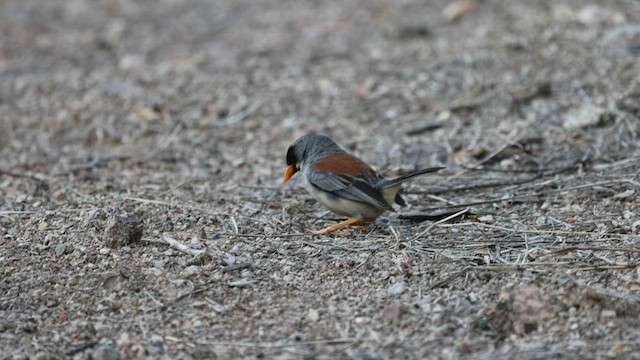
291 156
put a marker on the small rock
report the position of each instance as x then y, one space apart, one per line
200 259
362 320
28 326
230 259
313 315
60 195
203 352
62 249
85 330
42 188
106 353
42 355
196 242
145 113
444 116
587 115
594 14
154 349
156 344
391 114
326 86
509 164
131 62
619 349
190 271
397 288
20 357
6 325
235 249
623 40
124 231
238 161
104 251
625 194
394 312
267 230
199 304
607 314
158 264
123 338
51 302
521 309
156 339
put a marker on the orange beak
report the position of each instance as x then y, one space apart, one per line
289 173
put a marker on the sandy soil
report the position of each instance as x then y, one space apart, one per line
143 215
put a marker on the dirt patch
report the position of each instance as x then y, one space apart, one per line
176 115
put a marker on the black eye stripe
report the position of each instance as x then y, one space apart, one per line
291 156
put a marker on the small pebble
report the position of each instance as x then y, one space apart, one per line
62 249
397 288
124 231
106 353
313 315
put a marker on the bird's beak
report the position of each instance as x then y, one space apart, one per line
291 169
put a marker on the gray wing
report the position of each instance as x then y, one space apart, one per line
349 187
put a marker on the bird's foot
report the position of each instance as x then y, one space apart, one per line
345 224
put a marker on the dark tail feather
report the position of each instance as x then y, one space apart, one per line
408 176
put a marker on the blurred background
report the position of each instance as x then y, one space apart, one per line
155 91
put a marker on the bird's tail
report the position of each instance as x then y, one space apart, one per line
410 175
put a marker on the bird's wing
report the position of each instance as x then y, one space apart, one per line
346 176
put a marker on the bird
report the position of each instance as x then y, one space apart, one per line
342 182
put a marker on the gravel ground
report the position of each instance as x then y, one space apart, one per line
143 215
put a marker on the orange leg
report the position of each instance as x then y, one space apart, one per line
345 224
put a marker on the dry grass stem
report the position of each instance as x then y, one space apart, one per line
181 247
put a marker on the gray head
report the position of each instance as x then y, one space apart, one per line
308 148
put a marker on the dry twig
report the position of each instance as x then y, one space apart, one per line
181 247
285 345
